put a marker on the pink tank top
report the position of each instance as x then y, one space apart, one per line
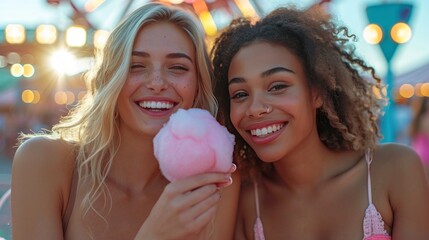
373 224
421 145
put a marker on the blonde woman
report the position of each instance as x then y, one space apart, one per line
95 176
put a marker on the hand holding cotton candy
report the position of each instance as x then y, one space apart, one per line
193 142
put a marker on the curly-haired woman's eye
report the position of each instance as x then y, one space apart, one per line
277 87
239 95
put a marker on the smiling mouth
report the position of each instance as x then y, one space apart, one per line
265 131
156 105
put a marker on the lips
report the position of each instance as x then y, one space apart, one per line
263 133
156 105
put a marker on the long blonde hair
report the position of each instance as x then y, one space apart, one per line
92 125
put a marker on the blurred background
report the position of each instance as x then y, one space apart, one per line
46 46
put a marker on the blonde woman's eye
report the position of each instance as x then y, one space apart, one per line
137 67
179 69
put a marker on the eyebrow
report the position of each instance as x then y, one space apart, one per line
264 74
275 70
170 55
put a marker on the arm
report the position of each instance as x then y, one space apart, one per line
38 178
409 196
226 215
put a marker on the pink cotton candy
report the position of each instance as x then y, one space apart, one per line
193 142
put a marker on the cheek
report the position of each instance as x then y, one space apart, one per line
235 115
130 85
187 88
123 95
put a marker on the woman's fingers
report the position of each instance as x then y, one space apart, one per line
186 206
202 211
233 168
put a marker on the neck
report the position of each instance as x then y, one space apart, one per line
301 168
313 165
135 165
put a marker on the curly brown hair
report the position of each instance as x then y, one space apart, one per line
347 120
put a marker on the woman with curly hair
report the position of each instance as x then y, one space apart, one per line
419 130
95 175
301 105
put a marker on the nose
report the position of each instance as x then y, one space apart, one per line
157 82
258 108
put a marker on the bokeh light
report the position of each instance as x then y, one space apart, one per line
379 94
3 61
46 34
373 34
401 32
70 97
176 1
27 96
28 70
60 98
100 38
15 33
406 90
13 58
418 89
17 70
36 97
424 90
76 36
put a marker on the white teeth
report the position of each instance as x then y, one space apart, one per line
261 132
156 105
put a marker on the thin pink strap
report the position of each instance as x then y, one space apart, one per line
368 158
258 229
256 199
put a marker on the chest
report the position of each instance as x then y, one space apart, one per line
119 219
333 220
334 212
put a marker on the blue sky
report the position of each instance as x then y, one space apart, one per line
351 13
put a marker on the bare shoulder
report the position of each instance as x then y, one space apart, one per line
44 154
396 166
41 157
42 170
396 158
398 170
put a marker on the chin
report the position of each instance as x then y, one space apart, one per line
268 157
151 130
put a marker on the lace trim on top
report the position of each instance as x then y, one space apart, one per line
258 229
373 224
